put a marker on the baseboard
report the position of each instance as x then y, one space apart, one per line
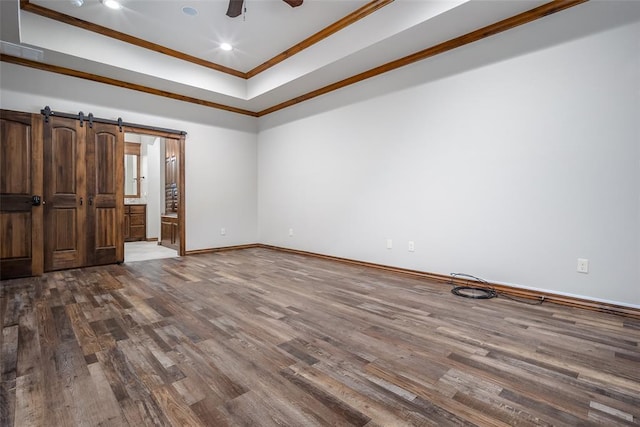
222 249
152 239
528 294
547 297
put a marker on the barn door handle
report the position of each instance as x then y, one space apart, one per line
90 200
80 201
35 200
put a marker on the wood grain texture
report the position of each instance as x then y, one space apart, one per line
21 223
105 194
65 176
507 291
262 337
182 229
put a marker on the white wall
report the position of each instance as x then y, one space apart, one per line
221 187
509 171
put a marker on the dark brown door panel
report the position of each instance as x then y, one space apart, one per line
20 194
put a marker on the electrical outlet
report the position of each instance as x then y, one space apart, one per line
389 244
223 231
583 265
412 246
291 232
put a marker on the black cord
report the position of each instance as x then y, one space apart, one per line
521 300
477 293
486 291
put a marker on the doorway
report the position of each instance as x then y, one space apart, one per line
154 161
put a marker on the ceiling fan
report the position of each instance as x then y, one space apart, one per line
235 6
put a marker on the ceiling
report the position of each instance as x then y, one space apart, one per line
281 55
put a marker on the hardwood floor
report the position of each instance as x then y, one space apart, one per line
258 337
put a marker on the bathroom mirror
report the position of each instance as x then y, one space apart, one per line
132 170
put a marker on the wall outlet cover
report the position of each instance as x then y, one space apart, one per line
583 265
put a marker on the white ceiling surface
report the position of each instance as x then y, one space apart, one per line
268 28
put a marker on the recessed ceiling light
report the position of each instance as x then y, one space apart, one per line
226 46
111 4
77 3
189 11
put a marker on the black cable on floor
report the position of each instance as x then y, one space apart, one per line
484 291
522 300
474 292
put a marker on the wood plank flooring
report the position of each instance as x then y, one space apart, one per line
258 337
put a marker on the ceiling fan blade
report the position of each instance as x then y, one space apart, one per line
293 3
235 8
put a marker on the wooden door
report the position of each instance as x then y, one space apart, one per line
64 194
137 222
105 194
171 224
21 218
170 175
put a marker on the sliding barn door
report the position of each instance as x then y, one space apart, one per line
61 194
20 195
105 193
84 193
64 193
